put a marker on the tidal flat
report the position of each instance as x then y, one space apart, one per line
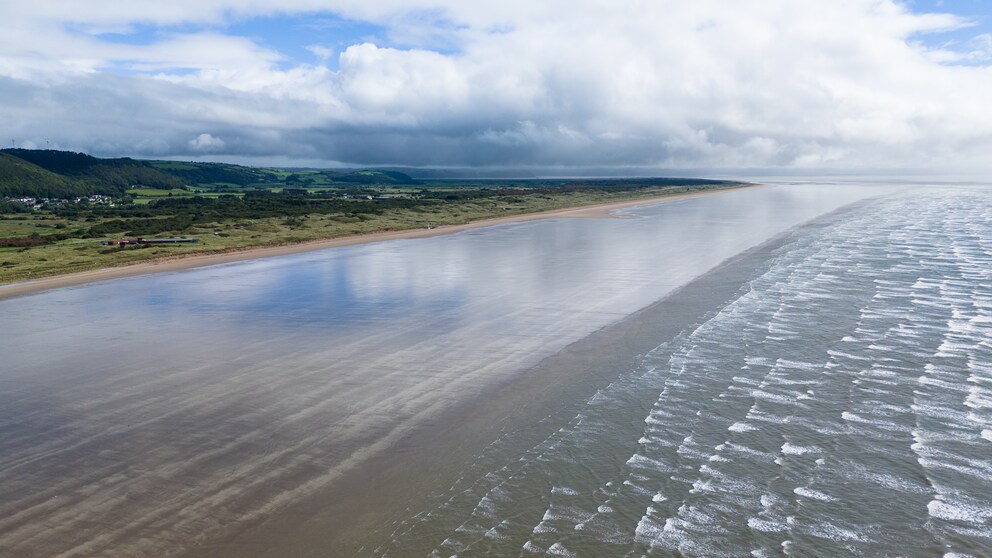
314 401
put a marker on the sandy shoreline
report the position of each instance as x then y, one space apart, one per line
360 513
279 422
179 263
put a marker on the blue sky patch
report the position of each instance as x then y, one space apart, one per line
300 39
973 42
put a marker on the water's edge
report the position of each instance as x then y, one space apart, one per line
359 511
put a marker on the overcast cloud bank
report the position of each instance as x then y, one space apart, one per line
818 84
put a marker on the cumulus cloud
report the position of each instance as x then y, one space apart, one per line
764 83
206 143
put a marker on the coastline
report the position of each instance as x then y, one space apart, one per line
183 262
309 434
362 512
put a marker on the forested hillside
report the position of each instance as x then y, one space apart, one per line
47 173
216 173
21 178
101 176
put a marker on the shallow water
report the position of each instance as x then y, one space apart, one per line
840 404
167 411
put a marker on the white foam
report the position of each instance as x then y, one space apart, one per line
849 356
644 462
495 534
814 494
648 530
564 491
729 446
883 424
746 381
848 416
766 526
783 399
861 472
930 410
542 528
959 511
978 398
769 500
833 532
793 449
532 548
559 549
486 507
741 427
637 488
650 419
798 365
976 472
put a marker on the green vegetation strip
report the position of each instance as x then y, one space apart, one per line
56 207
67 238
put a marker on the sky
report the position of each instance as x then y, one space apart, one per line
786 85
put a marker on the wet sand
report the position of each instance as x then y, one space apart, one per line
305 405
179 263
357 514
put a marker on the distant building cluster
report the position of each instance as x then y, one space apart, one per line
366 197
39 203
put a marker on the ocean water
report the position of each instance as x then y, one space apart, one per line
840 404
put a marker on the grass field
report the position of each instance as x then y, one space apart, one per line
154 193
80 254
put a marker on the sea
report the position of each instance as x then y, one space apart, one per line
840 404
828 392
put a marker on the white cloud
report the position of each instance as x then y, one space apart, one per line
322 52
980 47
206 143
764 83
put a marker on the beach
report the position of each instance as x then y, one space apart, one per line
313 403
827 394
366 507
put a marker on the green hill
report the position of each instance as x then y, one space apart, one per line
59 162
64 174
370 177
21 178
216 173
106 176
